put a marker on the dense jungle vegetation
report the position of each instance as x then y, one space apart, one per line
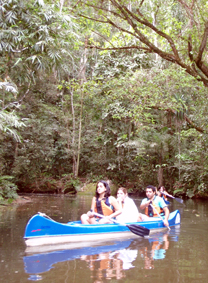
102 89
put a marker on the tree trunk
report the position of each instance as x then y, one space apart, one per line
82 78
80 134
160 176
73 133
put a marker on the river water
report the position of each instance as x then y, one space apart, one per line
180 255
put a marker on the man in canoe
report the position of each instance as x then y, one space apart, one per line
154 205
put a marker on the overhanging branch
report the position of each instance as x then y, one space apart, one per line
188 120
199 129
147 50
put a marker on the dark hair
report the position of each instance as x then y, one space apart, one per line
151 187
124 190
108 190
161 187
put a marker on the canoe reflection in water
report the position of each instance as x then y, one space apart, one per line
109 260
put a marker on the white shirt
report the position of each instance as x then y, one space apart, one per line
129 212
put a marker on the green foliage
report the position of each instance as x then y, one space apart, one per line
8 190
72 184
9 121
164 28
130 117
88 189
34 40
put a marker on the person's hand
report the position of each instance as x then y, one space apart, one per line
119 199
150 202
90 214
109 218
166 223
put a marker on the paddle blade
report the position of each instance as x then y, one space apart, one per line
138 230
179 200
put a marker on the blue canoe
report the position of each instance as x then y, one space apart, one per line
42 230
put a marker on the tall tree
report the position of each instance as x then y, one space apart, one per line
175 30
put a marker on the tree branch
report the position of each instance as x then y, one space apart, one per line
122 48
123 13
103 9
199 129
202 46
140 5
190 49
148 24
93 19
193 125
188 10
102 37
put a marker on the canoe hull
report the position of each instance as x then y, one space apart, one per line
41 230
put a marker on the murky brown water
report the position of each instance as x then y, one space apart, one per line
180 255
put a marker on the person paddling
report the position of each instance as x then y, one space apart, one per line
154 205
163 194
102 203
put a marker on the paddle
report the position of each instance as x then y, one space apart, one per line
134 228
177 199
159 215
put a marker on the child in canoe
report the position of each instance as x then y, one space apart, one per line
102 203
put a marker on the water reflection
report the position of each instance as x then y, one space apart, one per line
158 246
110 264
106 261
155 251
39 263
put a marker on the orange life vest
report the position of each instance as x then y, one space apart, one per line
149 211
163 196
103 207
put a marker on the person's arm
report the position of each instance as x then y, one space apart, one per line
167 194
90 213
93 204
145 204
117 207
167 212
120 203
163 205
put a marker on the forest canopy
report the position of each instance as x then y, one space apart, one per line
103 89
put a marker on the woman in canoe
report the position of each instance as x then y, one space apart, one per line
130 211
102 203
163 194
